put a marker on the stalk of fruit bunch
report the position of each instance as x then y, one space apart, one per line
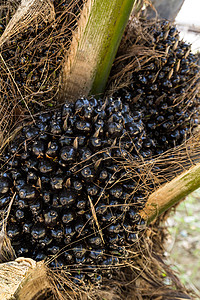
94 46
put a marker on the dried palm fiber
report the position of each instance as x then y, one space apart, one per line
27 11
32 51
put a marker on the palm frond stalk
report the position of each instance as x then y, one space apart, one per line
94 46
171 193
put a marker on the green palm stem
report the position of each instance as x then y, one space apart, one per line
171 193
94 47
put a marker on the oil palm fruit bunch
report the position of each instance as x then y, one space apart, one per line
71 195
165 88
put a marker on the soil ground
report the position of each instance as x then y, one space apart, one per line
184 241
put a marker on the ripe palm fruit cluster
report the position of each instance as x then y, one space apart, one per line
74 194
165 88
65 173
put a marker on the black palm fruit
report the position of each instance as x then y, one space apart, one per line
70 167
164 89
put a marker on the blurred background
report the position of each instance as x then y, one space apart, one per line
184 224
184 242
188 21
